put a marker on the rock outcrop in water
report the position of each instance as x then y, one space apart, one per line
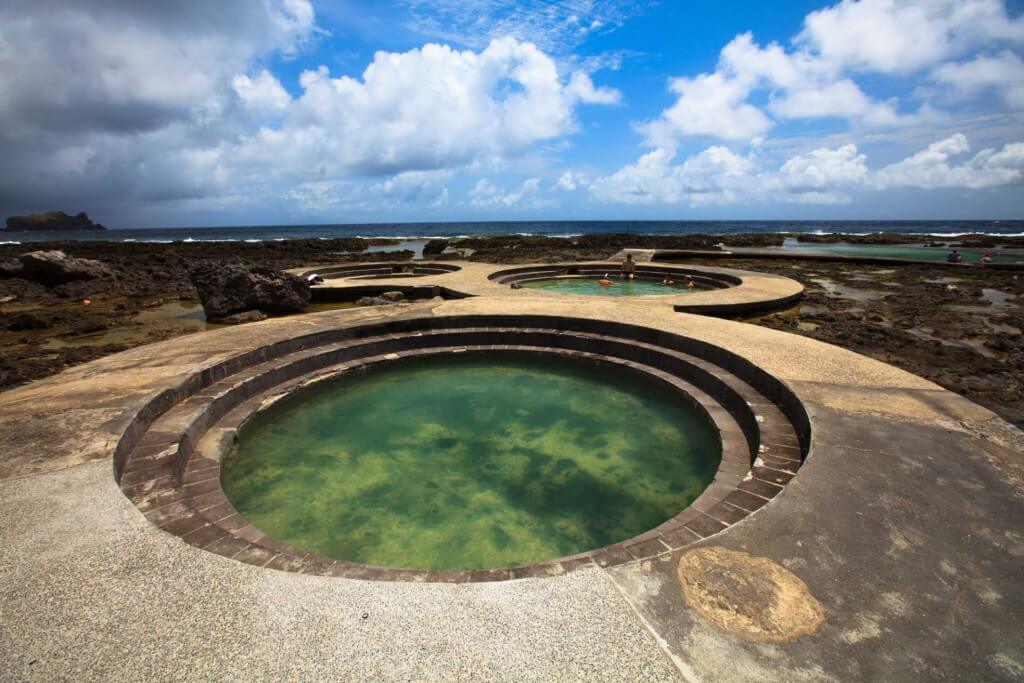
434 247
54 220
230 288
382 300
52 268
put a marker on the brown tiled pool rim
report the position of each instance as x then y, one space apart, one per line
173 474
703 279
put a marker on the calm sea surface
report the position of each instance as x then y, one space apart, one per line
551 228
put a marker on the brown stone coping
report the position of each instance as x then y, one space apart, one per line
382 269
178 488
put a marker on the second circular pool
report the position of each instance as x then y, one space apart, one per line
619 287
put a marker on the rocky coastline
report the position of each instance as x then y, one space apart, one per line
959 326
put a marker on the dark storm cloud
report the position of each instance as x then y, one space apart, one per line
116 99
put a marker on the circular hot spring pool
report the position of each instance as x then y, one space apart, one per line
471 460
605 279
463 448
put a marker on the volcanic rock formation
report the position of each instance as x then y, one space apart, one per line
54 220
230 288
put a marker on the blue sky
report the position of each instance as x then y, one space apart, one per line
301 111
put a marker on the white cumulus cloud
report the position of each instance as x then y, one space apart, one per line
1002 73
935 167
816 75
901 36
428 108
570 181
486 194
824 175
710 105
262 92
714 176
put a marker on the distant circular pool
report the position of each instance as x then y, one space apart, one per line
591 285
471 461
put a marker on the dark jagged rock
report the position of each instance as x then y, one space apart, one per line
11 268
24 321
54 220
434 247
230 288
87 327
52 268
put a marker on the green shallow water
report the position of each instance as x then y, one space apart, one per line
469 461
935 254
586 285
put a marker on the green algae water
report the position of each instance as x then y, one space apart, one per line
470 461
590 286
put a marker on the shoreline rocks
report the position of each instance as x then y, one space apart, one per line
52 268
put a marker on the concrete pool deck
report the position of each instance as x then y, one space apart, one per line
755 292
901 534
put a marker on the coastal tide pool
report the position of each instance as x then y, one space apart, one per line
590 286
471 461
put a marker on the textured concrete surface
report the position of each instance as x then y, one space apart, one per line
904 523
115 599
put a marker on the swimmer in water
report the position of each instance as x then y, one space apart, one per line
689 282
667 281
605 282
628 268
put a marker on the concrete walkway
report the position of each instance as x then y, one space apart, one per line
894 554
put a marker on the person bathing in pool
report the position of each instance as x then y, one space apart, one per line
605 282
629 268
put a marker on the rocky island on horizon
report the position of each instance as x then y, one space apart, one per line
52 221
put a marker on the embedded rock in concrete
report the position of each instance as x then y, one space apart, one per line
241 318
225 289
746 596
382 300
52 268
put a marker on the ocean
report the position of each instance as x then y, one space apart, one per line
550 228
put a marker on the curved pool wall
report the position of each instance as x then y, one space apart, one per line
702 279
168 461
382 270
